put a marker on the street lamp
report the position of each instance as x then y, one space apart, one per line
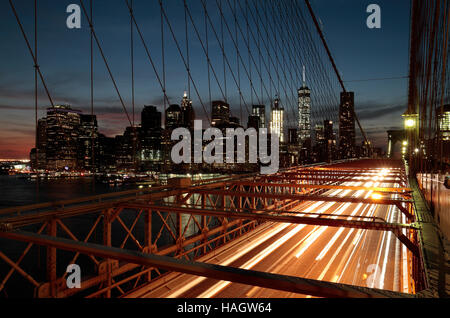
411 121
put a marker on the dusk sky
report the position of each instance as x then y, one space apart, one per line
360 54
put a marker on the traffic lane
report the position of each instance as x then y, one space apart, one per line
243 261
354 274
278 253
302 205
186 280
268 255
291 265
354 271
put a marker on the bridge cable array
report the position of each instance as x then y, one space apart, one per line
263 48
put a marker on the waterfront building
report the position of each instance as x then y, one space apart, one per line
62 130
87 142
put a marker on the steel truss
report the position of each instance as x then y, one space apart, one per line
129 239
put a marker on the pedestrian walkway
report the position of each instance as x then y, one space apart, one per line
435 248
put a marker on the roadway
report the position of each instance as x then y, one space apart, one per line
342 255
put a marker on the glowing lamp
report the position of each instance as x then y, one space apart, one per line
409 123
410 119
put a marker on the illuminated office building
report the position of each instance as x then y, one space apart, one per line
347 125
277 120
260 111
444 122
187 112
220 113
304 112
62 137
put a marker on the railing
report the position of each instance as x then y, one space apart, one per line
438 198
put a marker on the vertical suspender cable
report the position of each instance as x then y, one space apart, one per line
223 53
207 56
163 59
187 51
132 61
135 164
248 49
237 60
36 79
260 61
92 89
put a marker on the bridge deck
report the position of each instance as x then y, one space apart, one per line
323 253
327 238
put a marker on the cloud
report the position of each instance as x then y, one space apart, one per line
376 111
15 107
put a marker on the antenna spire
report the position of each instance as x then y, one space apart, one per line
304 76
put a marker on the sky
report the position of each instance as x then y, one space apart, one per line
64 58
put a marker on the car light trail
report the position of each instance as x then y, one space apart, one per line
338 250
198 280
323 252
219 286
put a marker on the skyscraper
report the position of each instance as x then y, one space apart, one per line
347 125
220 113
304 112
106 156
151 137
277 119
293 149
87 141
444 122
62 137
320 134
234 122
173 117
127 146
41 137
260 111
150 118
328 129
292 136
38 154
254 122
187 112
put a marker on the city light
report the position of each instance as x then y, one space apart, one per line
376 196
409 123
223 173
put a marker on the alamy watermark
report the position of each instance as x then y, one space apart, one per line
374 19
73 21
234 142
73 280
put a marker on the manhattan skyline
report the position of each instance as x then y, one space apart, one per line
382 53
